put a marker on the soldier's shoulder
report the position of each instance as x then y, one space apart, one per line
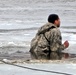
55 30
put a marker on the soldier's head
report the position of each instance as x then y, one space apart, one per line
54 18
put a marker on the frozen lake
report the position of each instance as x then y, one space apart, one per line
13 70
19 22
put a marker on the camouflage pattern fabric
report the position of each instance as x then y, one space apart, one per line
47 44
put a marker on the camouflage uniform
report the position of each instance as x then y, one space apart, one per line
47 43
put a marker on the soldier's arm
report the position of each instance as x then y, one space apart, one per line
56 40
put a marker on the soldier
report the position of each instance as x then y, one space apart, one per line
47 44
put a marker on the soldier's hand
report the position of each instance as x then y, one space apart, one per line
66 44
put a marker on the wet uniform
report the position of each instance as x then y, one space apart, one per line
47 44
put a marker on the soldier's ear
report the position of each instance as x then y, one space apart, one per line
55 22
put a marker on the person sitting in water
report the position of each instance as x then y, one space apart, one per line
47 44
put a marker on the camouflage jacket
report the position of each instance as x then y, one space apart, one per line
47 39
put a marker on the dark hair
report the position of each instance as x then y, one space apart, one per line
52 18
